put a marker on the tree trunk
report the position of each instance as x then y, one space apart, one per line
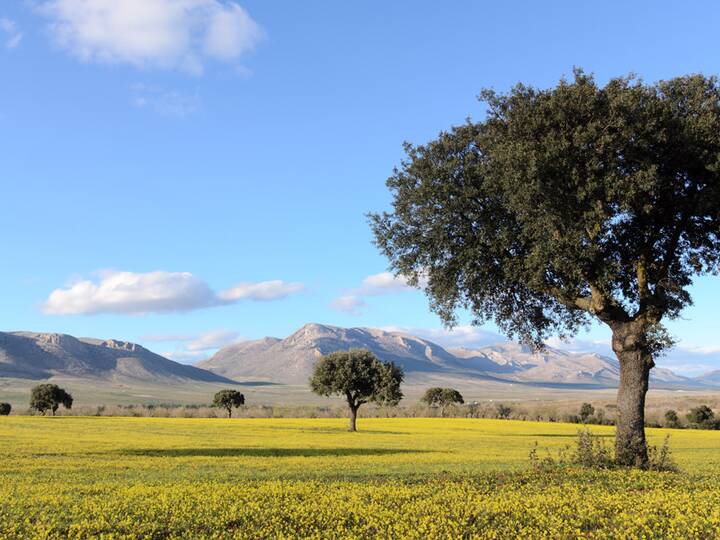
630 346
353 418
229 413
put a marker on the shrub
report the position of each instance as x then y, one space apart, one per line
592 452
703 417
5 409
671 419
503 411
698 415
660 459
586 411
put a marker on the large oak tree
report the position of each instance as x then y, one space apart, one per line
565 205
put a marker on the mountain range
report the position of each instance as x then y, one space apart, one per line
290 360
29 355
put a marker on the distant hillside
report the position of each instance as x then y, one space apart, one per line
27 355
290 360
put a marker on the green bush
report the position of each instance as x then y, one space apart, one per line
586 411
671 419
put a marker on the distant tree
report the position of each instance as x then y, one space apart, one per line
702 417
5 409
228 399
503 411
671 419
586 411
359 377
442 397
48 397
565 205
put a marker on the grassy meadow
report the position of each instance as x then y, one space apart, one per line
111 477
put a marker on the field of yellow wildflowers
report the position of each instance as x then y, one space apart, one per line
75 477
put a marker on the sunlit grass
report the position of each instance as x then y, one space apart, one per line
157 477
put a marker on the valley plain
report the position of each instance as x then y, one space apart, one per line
275 371
280 478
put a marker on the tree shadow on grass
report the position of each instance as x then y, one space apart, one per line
560 435
265 452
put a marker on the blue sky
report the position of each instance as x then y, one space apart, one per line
184 173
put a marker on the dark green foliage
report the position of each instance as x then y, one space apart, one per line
48 397
586 411
671 419
503 411
698 415
442 397
228 399
359 377
703 417
564 205
5 409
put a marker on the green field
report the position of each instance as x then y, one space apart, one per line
82 477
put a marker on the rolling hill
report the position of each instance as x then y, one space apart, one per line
28 355
290 360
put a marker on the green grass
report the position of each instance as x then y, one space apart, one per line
159 477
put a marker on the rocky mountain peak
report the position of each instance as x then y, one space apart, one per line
121 345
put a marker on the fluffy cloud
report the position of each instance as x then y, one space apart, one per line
265 290
467 336
192 348
348 304
12 34
213 339
154 292
164 102
383 283
169 34
373 285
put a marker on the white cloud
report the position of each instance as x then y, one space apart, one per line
164 102
192 348
213 339
598 346
467 336
373 285
154 292
12 34
383 283
167 34
348 304
185 357
265 290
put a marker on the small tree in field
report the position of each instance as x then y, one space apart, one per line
5 409
702 417
359 377
671 419
567 205
586 411
503 411
228 399
442 397
48 397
